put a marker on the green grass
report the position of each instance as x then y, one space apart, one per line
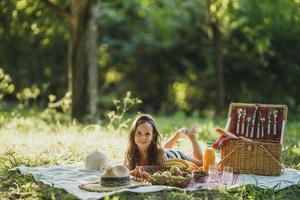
33 139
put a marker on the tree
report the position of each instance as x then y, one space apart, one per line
220 23
215 35
80 17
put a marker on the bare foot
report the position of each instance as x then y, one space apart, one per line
192 134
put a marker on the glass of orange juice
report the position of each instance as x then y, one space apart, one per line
209 157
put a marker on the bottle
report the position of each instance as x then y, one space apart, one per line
209 157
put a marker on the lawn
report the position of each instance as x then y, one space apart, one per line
32 138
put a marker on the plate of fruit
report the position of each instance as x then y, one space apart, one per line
175 172
158 175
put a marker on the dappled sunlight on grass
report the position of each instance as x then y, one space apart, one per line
291 147
59 143
33 141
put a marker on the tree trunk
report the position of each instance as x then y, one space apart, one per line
83 58
218 63
215 35
81 17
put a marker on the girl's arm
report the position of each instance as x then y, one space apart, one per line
173 139
196 149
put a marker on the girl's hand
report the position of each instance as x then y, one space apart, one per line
132 172
135 172
182 132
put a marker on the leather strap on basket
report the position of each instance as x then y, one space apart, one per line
266 150
241 144
231 152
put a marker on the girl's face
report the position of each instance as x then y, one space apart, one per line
143 136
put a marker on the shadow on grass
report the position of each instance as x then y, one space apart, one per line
243 192
18 186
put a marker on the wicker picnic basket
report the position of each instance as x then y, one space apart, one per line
181 182
261 155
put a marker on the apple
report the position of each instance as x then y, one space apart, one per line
157 174
184 174
188 176
166 174
180 177
175 170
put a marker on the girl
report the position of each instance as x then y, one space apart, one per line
144 144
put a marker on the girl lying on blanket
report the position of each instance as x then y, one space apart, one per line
144 145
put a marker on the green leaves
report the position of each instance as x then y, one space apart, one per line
149 47
6 85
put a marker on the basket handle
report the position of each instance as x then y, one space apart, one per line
241 144
231 152
266 150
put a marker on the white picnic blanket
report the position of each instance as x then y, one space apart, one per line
287 178
70 176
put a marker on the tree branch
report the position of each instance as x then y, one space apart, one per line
62 13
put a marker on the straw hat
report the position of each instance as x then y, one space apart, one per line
116 171
115 176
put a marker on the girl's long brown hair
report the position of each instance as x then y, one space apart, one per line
155 152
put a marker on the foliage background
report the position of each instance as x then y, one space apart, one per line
161 51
